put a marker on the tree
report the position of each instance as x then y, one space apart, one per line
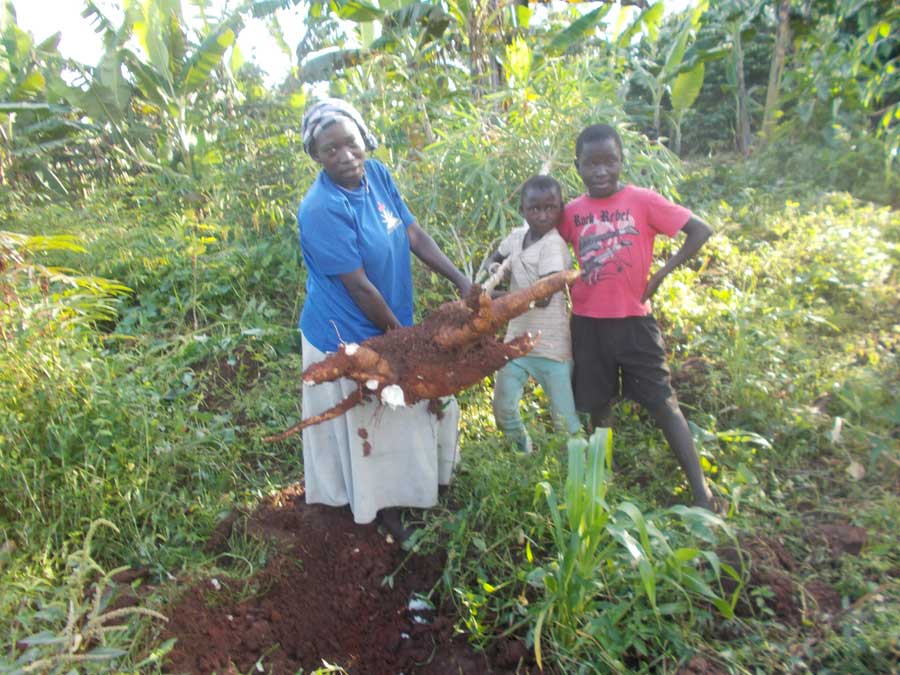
779 54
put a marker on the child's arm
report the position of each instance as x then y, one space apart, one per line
555 260
493 266
697 233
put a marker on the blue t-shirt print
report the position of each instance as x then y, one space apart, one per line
340 231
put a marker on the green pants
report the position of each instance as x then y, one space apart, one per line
556 379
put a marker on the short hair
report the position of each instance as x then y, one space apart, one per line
540 182
597 132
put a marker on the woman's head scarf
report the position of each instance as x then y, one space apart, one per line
321 114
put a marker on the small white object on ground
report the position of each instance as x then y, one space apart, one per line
419 605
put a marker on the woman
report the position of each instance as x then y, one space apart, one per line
356 234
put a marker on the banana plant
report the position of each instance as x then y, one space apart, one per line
685 91
34 120
663 69
165 72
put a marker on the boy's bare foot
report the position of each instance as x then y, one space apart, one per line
392 521
713 503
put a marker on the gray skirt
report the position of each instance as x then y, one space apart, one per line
411 451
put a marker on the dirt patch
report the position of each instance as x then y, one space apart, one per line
334 591
699 665
691 379
238 370
839 538
771 579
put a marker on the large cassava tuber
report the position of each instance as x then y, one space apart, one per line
453 348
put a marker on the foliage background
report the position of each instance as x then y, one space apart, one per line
150 283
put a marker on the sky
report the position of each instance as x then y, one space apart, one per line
43 18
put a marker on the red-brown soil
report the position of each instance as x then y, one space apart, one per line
770 565
323 596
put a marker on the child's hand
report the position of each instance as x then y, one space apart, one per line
653 284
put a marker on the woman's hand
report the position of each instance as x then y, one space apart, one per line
464 287
369 300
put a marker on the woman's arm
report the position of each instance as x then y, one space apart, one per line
426 250
697 233
369 300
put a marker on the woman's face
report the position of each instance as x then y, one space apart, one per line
340 149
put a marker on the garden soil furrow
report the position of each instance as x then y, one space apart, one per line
324 596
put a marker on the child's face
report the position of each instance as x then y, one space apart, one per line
542 209
598 165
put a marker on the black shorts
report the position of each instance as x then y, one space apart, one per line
616 357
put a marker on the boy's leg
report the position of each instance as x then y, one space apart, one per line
595 384
601 417
556 379
677 432
646 380
509 384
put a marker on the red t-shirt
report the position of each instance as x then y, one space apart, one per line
613 241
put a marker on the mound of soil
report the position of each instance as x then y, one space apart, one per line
334 592
770 565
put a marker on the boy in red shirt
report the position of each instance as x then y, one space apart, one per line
616 343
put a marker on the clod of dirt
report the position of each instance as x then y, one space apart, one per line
218 540
512 654
691 379
840 538
226 374
822 599
130 575
699 665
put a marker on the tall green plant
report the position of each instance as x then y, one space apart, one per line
613 571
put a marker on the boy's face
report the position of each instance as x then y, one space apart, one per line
598 165
542 209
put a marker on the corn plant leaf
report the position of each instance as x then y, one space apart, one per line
33 106
686 554
648 579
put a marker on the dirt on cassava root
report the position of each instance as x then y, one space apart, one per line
452 349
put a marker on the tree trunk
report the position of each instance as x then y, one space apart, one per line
782 38
743 115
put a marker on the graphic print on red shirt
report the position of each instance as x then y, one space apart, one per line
605 244
613 241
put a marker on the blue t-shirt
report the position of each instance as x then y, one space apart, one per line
342 230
